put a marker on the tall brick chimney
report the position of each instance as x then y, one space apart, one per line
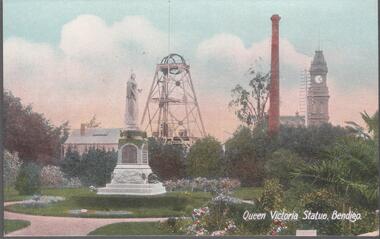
82 129
274 92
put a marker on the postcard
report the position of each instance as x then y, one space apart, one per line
190 118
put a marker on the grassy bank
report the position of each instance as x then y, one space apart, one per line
131 228
14 225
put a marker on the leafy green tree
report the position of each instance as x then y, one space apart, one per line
245 155
248 150
96 166
280 165
308 142
166 160
28 180
349 170
250 104
29 133
71 163
205 158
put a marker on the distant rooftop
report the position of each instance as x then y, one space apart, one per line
94 136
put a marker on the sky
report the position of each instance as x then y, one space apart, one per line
70 59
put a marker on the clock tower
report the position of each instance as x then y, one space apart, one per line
318 93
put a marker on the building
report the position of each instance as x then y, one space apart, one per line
83 139
318 93
293 120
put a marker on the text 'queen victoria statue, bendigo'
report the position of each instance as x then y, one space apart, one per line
132 174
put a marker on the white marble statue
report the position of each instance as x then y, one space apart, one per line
132 174
131 107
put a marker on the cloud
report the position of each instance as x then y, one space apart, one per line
225 58
230 49
86 73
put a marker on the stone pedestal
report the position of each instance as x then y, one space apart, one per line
132 180
131 174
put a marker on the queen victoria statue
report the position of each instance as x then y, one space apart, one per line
132 174
131 111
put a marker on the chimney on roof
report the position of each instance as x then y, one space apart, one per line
82 129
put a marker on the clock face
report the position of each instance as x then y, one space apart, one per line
318 79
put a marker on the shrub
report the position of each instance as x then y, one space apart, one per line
222 185
224 216
174 225
322 201
28 179
11 168
51 176
272 195
71 182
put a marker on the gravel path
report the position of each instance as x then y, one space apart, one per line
64 226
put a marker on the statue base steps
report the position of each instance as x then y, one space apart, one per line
132 189
132 179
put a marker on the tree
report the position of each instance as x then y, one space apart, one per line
28 179
71 164
93 123
372 125
30 133
205 158
166 160
280 165
96 166
310 143
349 171
245 155
250 104
11 168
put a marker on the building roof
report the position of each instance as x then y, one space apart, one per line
94 136
292 120
292 117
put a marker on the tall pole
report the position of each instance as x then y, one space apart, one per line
274 93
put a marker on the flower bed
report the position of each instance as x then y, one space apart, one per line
40 201
218 186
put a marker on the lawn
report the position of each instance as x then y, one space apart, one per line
169 204
10 194
14 225
248 193
132 228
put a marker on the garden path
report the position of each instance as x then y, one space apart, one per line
64 226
